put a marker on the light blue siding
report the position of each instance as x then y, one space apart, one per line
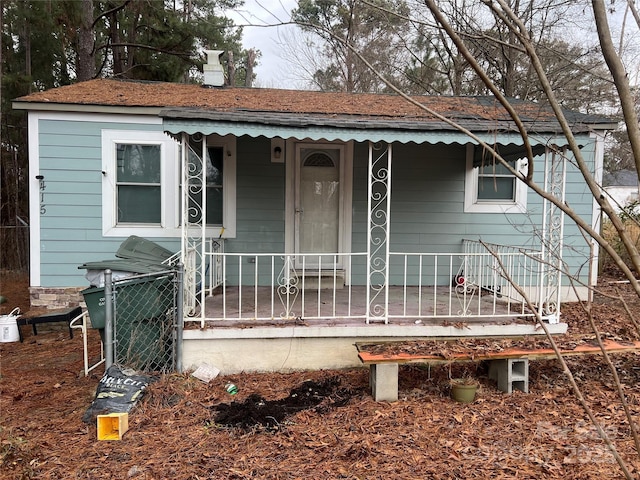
260 209
71 228
260 199
427 208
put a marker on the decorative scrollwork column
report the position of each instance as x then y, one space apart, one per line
552 236
193 193
379 203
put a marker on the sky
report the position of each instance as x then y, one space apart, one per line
257 18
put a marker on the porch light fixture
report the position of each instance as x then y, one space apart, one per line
277 150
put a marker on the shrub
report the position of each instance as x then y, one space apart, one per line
631 219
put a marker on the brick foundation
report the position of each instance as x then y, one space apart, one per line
52 298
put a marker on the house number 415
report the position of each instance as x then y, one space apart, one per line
43 186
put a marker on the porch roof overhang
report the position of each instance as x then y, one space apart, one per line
346 128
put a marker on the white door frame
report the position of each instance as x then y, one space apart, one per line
346 175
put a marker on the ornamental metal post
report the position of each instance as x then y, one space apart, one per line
552 236
378 235
193 205
108 319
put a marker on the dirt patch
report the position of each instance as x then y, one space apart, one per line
256 413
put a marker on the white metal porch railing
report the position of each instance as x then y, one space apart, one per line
474 284
260 286
467 285
212 272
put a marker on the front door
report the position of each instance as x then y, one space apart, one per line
319 205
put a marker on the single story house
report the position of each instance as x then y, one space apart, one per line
327 218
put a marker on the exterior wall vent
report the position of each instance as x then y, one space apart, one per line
213 72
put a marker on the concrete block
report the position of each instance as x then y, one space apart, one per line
510 373
383 378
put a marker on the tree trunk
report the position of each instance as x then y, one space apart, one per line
86 67
231 69
27 54
251 60
114 33
620 79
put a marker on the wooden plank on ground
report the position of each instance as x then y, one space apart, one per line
610 346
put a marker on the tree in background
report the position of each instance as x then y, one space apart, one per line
426 71
370 29
152 40
409 49
618 155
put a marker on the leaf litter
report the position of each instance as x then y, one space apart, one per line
326 425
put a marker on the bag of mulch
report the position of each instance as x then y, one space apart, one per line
118 391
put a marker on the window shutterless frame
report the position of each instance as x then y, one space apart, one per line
141 216
492 189
138 186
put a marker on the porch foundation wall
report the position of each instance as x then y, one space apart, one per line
233 356
234 351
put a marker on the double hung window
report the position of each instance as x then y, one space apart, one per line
493 188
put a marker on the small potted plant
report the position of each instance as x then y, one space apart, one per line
464 389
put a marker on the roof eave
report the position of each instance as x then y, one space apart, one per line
350 122
84 108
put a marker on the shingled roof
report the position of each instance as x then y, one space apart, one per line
297 107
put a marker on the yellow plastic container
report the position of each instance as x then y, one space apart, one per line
112 426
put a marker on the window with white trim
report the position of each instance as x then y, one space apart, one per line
141 184
493 188
138 198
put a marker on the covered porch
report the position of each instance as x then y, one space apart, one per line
313 319
328 250
472 281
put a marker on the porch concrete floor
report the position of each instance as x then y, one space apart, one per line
347 306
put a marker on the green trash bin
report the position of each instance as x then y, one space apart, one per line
146 297
95 299
138 298
137 248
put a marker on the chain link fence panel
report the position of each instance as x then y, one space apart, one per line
144 322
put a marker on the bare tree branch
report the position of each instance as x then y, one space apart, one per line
620 78
565 368
634 12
